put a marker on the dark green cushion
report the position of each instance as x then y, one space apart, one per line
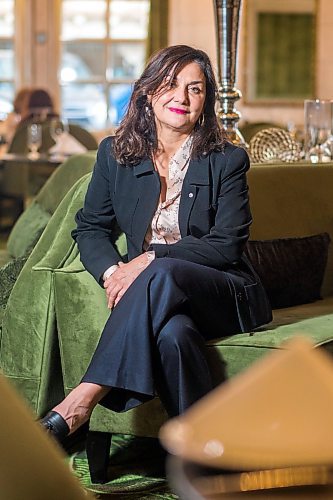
27 230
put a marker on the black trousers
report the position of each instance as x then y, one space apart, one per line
154 341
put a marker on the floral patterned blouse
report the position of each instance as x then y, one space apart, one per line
164 227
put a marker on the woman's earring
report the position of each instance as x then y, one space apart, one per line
201 120
148 109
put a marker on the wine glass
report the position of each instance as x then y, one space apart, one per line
34 140
318 130
58 126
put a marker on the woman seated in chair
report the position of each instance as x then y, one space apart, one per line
40 107
178 190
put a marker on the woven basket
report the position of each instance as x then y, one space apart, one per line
273 144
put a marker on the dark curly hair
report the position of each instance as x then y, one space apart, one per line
136 136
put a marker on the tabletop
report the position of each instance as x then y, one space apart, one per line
54 160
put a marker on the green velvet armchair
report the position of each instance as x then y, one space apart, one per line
50 333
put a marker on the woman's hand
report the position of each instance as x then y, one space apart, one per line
117 284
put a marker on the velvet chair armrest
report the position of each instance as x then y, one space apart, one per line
29 322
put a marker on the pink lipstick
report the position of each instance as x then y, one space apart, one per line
179 111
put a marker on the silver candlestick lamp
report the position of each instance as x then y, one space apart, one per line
227 21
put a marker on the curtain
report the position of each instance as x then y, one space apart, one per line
158 26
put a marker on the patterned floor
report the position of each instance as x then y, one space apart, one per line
136 470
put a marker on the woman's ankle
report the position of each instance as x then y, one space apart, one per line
92 393
77 407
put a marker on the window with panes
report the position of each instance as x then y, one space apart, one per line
7 55
103 47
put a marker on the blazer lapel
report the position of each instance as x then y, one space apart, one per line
197 175
143 167
148 191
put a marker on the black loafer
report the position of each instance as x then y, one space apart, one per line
55 425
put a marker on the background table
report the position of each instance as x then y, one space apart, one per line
21 177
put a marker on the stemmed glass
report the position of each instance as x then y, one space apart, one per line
34 140
58 126
320 150
318 130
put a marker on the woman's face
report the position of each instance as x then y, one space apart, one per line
179 105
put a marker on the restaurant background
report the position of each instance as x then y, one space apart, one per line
65 47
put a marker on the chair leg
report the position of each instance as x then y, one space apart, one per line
98 452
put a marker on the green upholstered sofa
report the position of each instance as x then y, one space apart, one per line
30 225
56 311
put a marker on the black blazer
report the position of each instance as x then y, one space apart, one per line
214 220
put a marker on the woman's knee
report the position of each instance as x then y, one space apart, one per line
177 332
161 275
164 266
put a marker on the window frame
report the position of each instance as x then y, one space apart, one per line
11 39
108 41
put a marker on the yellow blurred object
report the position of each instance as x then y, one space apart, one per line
32 465
193 482
277 414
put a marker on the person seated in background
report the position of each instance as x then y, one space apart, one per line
20 109
40 107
